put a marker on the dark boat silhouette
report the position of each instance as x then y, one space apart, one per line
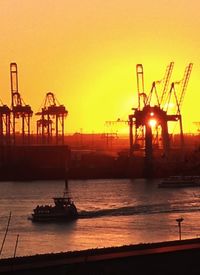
63 209
180 181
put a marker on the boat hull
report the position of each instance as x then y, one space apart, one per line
53 218
180 182
59 212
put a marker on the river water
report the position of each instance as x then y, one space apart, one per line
113 213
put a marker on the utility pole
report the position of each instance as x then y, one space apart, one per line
179 221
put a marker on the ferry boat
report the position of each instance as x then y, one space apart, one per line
63 209
180 181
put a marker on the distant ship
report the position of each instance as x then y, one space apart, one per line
63 209
180 181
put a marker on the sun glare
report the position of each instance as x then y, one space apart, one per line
152 122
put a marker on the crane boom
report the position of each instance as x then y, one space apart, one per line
50 100
140 86
160 99
179 96
184 84
13 77
166 80
15 96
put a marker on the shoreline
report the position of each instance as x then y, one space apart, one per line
156 257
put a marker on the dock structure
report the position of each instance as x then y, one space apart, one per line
33 162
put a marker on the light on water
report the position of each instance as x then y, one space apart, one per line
112 213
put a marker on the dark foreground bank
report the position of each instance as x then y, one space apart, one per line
174 257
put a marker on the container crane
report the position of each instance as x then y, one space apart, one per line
147 100
4 123
52 119
157 100
158 116
20 111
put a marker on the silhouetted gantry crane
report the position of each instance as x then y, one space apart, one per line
51 123
4 124
21 112
156 114
15 122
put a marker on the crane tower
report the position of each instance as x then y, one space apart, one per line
21 113
4 124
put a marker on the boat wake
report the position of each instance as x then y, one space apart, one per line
185 207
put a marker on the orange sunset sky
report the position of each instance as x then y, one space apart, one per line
85 51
